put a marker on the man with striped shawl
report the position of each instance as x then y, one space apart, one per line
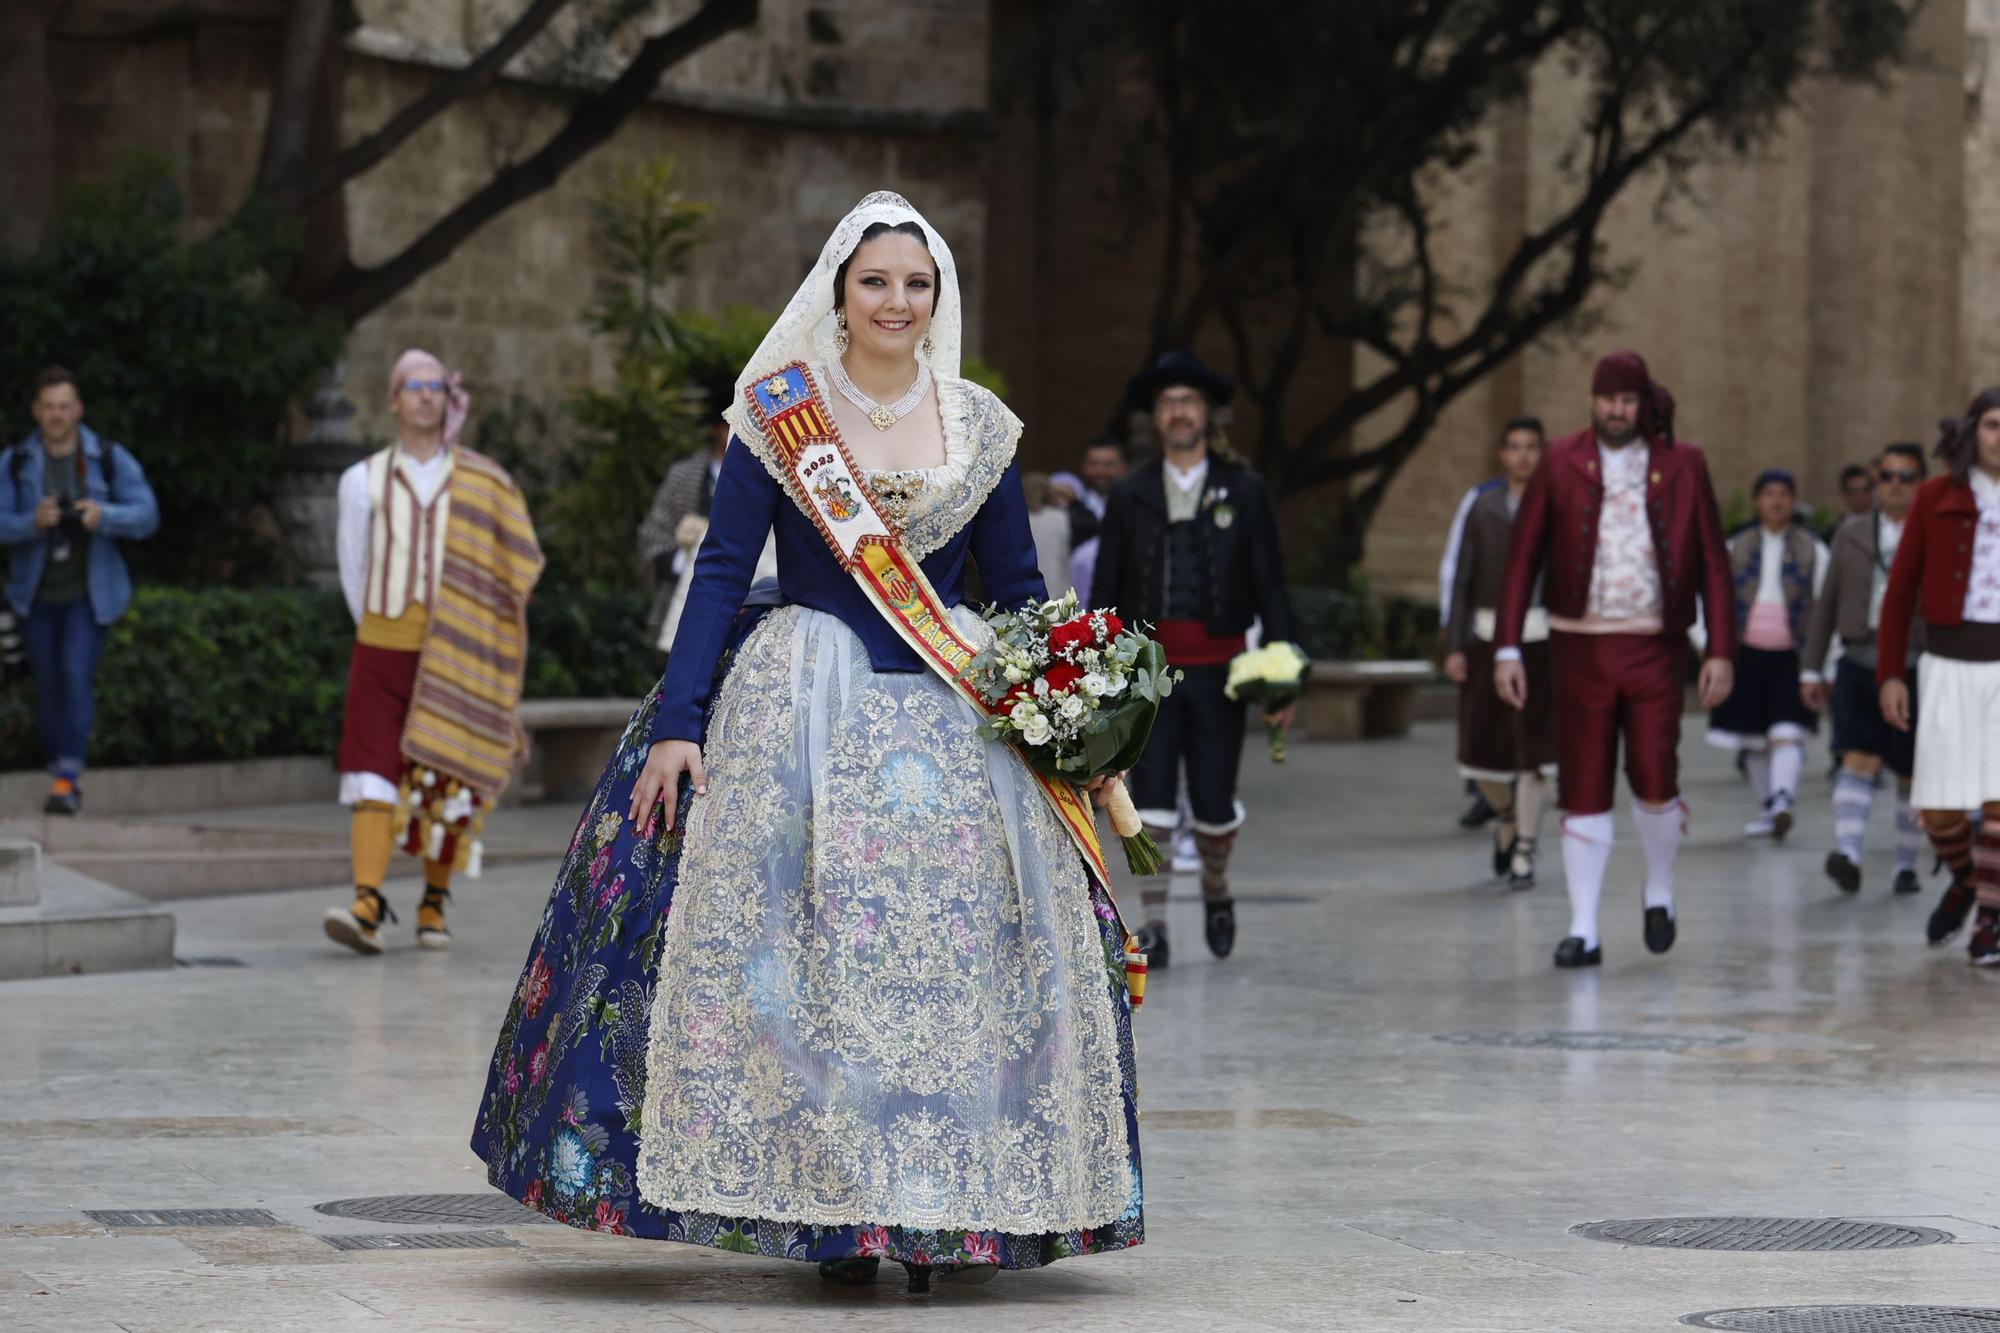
437 560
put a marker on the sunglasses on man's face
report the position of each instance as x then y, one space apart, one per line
1888 475
418 386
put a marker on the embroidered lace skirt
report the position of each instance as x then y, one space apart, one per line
864 1002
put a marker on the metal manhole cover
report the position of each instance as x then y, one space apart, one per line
181 1217
1760 1233
425 1240
432 1209
1850 1319
1671 1042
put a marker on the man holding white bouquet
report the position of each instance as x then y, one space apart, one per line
1190 544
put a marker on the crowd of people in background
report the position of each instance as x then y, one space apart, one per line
1582 570
1588 567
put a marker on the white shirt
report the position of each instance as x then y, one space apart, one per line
1448 567
1189 480
1771 568
1625 579
1888 536
356 511
1982 587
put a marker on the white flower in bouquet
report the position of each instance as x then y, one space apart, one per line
1037 729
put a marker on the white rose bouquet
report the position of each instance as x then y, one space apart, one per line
1076 692
1274 677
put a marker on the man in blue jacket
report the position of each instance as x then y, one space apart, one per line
66 500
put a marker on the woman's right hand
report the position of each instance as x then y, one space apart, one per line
660 782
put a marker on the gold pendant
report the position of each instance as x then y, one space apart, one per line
881 417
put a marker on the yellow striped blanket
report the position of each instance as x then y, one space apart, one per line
464 720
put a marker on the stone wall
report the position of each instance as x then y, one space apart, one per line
780 129
1804 304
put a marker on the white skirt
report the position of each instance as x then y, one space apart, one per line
1958 734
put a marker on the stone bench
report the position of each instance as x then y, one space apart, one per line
1349 701
569 741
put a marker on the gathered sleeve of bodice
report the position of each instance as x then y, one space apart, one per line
1004 546
746 504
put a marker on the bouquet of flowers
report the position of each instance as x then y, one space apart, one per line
1273 677
1076 692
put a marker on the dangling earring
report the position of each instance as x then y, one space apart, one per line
930 348
840 338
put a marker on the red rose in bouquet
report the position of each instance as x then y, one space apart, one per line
1061 676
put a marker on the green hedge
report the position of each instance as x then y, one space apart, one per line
1351 624
224 673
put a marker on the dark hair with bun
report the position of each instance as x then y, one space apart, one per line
884 229
1958 437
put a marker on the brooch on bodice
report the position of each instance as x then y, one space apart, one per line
896 493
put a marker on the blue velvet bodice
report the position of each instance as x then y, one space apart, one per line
748 502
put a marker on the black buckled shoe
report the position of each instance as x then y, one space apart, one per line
1948 917
1219 925
1153 943
1477 815
1503 858
1660 930
1907 882
1843 872
1521 874
1571 953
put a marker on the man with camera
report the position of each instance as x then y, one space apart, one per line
69 499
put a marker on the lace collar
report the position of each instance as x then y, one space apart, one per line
932 504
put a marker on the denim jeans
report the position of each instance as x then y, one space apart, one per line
64 640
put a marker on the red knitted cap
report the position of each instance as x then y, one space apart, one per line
1621 372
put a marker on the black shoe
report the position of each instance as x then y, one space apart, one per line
1153 943
1984 950
1948 918
1503 858
1660 930
1843 872
1220 926
1477 815
1571 953
1781 823
1907 882
65 799
1521 874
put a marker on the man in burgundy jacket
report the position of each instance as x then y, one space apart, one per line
1621 526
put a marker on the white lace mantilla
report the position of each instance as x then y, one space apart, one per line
882 994
930 505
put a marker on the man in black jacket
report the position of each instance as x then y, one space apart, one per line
1190 545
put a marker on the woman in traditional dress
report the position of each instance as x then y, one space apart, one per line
850 993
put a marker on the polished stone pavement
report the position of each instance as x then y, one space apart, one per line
1317 1157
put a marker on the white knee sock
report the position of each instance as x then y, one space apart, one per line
1853 797
1788 760
1909 830
1586 854
1758 764
1660 835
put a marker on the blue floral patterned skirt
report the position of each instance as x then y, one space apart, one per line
561 1121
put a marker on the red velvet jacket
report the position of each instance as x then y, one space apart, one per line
1555 538
1933 561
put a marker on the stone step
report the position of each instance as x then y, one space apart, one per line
81 925
20 873
163 861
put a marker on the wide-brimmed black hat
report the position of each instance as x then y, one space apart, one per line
1179 367
718 395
